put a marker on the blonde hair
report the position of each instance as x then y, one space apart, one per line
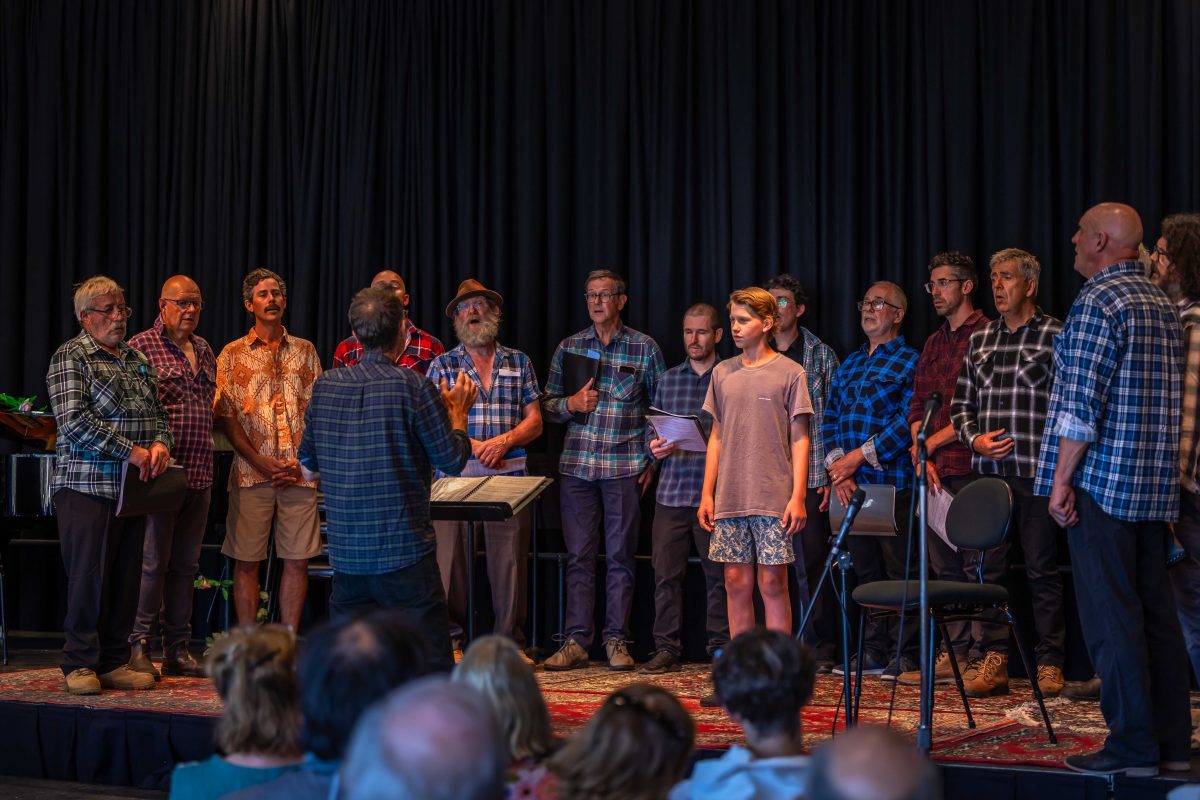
761 303
493 665
254 669
635 747
93 287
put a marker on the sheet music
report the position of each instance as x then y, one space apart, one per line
937 505
684 432
452 490
510 489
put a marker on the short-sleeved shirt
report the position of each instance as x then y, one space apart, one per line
821 365
187 397
104 406
422 349
754 407
267 392
497 410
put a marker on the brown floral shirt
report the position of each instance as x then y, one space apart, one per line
267 391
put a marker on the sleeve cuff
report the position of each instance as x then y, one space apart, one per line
1069 426
868 450
833 455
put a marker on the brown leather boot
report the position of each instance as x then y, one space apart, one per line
992 678
139 659
178 661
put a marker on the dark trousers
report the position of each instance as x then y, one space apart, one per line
1185 576
585 505
102 556
170 558
507 544
675 531
811 545
947 564
415 589
1132 633
880 558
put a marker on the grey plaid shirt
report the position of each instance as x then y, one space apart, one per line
104 406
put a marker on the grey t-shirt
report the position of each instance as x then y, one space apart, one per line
754 407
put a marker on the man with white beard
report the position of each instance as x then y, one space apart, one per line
506 417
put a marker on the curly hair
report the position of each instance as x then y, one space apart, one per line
789 284
960 263
258 276
1182 232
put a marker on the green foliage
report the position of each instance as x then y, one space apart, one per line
10 403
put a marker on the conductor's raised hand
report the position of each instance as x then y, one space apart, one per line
585 400
459 398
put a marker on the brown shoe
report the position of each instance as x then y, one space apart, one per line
1083 690
1050 680
178 662
992 678
83 681
943 672
124 679
973 665
569 656
139 659
619 659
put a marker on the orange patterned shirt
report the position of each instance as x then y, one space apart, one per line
267 391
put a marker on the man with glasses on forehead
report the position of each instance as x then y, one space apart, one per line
420 348
866 441
105 399
187 384
604 460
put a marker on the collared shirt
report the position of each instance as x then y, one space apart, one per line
937 371
1189 446
1005 383
187 396
266 391
376 433
868 408
422 349
1116 386
104 406
610 444
681 476
499 409
821 365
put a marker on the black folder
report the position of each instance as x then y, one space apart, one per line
159 495
578 369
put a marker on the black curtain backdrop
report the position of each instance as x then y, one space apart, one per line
695 147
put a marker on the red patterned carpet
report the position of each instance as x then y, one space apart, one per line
1008 730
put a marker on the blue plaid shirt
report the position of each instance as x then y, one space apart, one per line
611 444
501 408
681 391
1117 364
375 432
868 408
820 365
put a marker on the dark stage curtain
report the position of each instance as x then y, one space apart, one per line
695 147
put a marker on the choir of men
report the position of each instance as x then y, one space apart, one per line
1092 423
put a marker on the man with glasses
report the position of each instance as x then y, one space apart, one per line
420 348
506 417
603 463
187 384
999 412
105 399
866 441
810 543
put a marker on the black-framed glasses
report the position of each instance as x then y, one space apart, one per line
600 297
1161 253
113 311
185 305
941 283
623 700
876 305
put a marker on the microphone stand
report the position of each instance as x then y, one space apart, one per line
925 705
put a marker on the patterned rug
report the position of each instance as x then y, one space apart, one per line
1007 729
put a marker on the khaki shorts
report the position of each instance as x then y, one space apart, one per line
248 526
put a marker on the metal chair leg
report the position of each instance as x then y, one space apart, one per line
1031 671
958 681
858 661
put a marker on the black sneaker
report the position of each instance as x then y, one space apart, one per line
894 667
824 666
1103 762
660 662
871 665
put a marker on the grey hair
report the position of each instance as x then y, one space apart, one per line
375 317
90 289
897 293
1031 270
606 275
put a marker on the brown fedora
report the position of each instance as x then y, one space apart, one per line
472 288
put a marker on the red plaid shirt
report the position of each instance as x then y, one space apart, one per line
421 351
187 398
937 371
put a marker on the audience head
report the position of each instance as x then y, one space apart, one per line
1176 256
493 665
347 666
431 739
872 763
636 746
375 317
764 678
98 307
254 670
1108 233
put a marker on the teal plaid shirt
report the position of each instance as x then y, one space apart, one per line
611 444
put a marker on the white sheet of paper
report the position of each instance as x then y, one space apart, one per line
937 505
681 432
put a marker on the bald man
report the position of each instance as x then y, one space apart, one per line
421 348
187 381
1110 465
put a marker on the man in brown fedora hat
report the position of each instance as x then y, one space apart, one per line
506 417
420 349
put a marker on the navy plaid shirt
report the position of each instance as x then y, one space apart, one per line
1117 364
820 365
681 391
376 432
868 408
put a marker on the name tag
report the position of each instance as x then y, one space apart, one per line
593 354
510 373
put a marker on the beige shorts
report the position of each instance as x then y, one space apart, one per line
248 526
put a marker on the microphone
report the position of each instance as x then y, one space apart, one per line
931 408
856 503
